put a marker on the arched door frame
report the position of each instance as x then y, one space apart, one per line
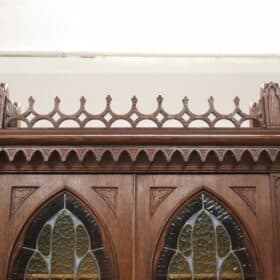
250 243
105 234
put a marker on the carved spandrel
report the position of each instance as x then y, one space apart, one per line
157 196
109 195
248 194
19 195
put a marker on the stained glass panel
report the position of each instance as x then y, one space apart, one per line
204 243
63 247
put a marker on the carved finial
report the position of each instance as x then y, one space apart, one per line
134 100
185 100
159 99
56 100
31 101
211 100
4 89
236 101
83 100
108 99
269 104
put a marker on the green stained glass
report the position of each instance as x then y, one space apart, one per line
63 247
223 241
82 242
199 245
185 242
88 269
179 268
37 268
204 248
231 269
44 240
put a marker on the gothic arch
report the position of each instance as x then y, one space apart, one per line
209 207
91 244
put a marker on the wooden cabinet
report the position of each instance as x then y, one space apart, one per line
136 214
140 203
32 200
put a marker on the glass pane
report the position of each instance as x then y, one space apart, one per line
63 247
223 241
44 240
231 269
185 244
204 248
179 268
66 247
209 245
37 268
83 243
88 269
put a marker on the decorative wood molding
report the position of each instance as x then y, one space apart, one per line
255 153
248 194
109 195
157 196
160 118
18 195
268 107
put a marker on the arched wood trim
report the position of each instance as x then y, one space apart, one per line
250 243
105 234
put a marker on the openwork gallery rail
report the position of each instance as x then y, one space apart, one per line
264 114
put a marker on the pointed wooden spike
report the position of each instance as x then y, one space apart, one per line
159 99
108 99
83 100
134 100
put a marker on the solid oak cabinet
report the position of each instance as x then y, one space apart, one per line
140 222
140 203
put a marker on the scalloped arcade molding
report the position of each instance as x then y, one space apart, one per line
254 152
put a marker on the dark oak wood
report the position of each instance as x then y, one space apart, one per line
254 224
134 180
115 220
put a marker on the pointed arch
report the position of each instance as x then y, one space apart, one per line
63 238
204 237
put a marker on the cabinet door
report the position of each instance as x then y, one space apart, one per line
204 227
66 227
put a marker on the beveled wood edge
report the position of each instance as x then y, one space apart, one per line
121 136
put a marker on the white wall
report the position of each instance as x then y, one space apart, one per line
146 26
196 77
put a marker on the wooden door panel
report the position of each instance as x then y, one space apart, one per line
109 198
275 194
159 197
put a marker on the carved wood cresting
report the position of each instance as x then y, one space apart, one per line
133 118
18 195
109 195
157 196
248 194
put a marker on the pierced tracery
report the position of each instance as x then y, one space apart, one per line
204 242
64 245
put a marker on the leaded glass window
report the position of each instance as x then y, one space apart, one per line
204 242
63 242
